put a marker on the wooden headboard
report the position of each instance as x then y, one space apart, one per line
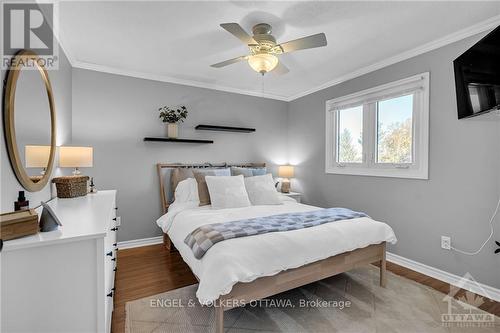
161 166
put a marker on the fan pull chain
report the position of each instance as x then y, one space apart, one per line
262 84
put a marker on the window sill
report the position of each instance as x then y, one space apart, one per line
391 173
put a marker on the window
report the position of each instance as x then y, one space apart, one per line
382 131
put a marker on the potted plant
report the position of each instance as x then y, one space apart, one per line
173 116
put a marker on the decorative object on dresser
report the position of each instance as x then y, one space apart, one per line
18 224
63 281
71 186
48 219
173 116
21 203
286 172
224 128
92 186
76 157
33 122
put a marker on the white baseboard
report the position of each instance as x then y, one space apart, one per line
140 242
467 283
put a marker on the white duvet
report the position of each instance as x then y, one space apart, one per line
248 258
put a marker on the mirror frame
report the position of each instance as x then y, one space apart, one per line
9 122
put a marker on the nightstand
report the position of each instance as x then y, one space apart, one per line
295 195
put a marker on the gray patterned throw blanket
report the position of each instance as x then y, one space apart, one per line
204 237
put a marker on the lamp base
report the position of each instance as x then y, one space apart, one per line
285 186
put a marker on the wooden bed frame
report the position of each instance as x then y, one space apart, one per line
243 293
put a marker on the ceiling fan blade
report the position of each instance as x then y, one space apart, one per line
308 42
281 69
236 30
229 62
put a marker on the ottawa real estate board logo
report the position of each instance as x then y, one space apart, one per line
29 25
463 311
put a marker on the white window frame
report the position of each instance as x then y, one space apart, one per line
418 85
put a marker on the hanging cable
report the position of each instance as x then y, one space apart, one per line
487 240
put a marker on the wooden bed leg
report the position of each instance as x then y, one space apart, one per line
383 275
168 244
219 319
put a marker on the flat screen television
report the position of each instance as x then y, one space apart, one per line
477 77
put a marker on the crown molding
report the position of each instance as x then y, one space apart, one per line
169 79
475 29
438 43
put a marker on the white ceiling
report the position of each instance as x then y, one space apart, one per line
177 41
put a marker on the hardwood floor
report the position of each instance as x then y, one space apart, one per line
146 271
150 270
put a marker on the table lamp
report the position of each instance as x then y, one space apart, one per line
75 157
286 172
37 157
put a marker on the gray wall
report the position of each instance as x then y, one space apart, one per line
464 169
61 86
114 113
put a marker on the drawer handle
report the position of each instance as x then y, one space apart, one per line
110 294
114 229
115 244
114 259
116 208
115 269
114 219
110 253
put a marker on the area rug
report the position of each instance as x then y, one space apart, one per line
348 302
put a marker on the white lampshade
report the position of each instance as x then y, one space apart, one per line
263 62
37 156
286 171
75 157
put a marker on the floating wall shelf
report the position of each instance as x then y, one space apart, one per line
162 139
224 128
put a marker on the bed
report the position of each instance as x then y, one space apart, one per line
240 270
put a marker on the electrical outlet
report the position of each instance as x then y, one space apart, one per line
446 242
118 221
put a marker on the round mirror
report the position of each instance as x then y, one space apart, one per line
30 124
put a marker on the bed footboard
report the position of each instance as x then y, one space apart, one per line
263 287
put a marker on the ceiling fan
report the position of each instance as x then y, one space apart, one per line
264 49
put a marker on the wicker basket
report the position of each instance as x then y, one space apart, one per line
71 186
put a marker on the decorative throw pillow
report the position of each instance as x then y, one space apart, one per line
245 172
187 191
248 172
219 171
178 175
227 192
259 171
202 185
261 190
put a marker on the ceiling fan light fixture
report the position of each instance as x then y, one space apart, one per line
263 62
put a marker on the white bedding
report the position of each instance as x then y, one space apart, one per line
248 258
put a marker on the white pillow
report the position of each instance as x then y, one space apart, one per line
187 191
261 190
227 191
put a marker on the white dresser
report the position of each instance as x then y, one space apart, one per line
63 280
